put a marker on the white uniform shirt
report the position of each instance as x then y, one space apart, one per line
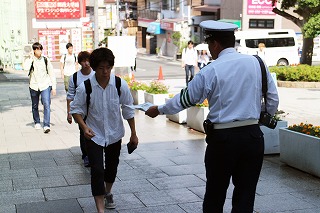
40 79
233 85
80 78
104 116
189 56
69 64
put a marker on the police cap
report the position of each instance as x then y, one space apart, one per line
218 29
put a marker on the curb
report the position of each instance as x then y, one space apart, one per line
298 84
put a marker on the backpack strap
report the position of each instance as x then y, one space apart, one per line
88 87
75 78
118 85
46 63
31 69
64 60
75 58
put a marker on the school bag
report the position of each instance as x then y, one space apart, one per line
32 68
88 87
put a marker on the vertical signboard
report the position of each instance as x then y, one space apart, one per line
76 40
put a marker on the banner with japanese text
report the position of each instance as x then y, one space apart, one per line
58 9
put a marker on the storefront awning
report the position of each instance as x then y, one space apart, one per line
207 8
154 28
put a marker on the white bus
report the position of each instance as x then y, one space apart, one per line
281 47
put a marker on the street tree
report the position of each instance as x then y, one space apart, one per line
306 17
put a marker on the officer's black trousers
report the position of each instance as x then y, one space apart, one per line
235 153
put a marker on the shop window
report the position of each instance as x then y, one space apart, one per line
261 23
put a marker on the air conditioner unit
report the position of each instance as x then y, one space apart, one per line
27 50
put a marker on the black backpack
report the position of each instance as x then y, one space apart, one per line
88 87
32 68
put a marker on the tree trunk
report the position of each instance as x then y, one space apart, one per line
307 51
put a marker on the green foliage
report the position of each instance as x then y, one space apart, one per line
136 85
299 73
126 78
312 27
157 87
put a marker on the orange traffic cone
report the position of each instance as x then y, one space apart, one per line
160 76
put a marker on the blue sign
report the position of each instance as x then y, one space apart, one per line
154 28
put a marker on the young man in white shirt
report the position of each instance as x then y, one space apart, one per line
68 65
103 127
42 81
189 61
83 74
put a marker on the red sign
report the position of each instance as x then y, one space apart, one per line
57 9
167 25
259 7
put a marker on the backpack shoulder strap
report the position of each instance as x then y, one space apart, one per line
118 85
46 63
75 78
64 60
31 69
75 58
88 87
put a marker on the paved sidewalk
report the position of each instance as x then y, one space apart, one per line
44 173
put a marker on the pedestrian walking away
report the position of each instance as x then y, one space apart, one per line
232 84
99 100
68 65
77 78
42 83
189 61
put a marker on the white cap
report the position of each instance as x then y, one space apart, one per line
215 26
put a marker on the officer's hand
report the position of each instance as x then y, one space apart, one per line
53 92
153 112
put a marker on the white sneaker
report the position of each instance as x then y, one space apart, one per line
37 126
46 129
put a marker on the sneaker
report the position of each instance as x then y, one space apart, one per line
37 126
86 161
46 129
109 204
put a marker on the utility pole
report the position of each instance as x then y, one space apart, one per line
118 17
96 24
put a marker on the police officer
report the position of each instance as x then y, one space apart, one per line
235 145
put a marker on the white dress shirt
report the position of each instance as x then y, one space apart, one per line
104 116
80 78
189 56
69 64
40 79
233 85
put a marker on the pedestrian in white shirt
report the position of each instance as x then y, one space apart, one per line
189 61
103 127
75 80
42 82
68 65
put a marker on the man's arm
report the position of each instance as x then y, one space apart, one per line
69 116
88 133
52 76
133 138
